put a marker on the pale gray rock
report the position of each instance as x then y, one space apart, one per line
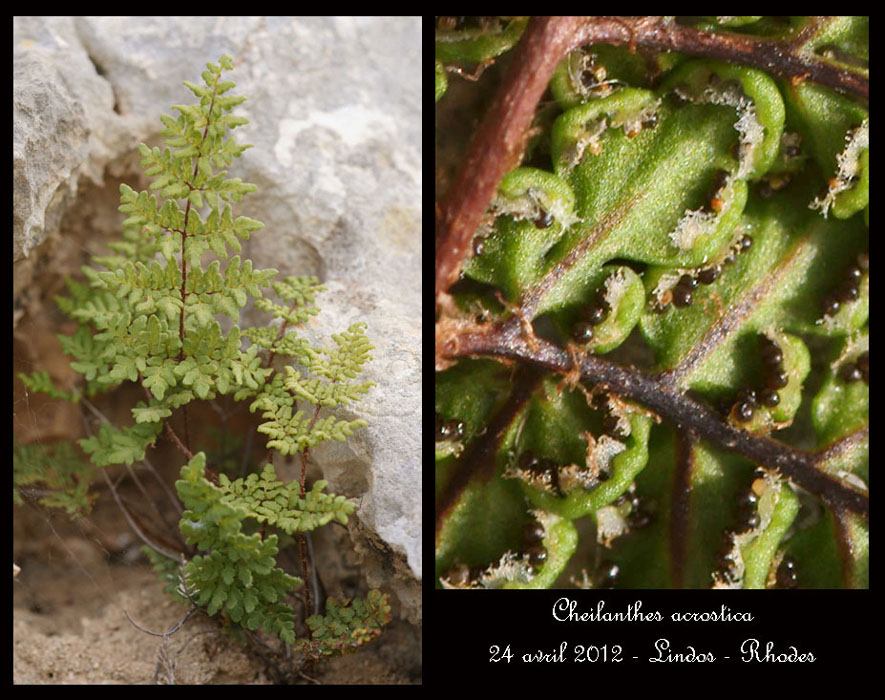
55 106
335 114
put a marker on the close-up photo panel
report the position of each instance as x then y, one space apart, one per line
651 353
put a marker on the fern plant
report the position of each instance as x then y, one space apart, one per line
652 296
148 314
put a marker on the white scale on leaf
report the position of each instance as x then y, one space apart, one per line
517 567
751 131
694 223
768 490
574 476
593 132
630 120
610 524
665 284
698 222
600 456
615 287
600 87
532 205
848 162
511 567
543 481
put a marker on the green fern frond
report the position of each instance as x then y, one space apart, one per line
347 360
41 381
323 393
279 504
120 445
291 430
149 313
90 355
238 573
294 432
346 627
153 413
300 292
60 470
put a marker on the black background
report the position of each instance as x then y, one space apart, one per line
837 627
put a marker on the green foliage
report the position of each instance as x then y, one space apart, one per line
279 504
40 381
238 573
292 432
148 315
347 626
662 168
441 81
114 445
475 44
61 472
300 292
